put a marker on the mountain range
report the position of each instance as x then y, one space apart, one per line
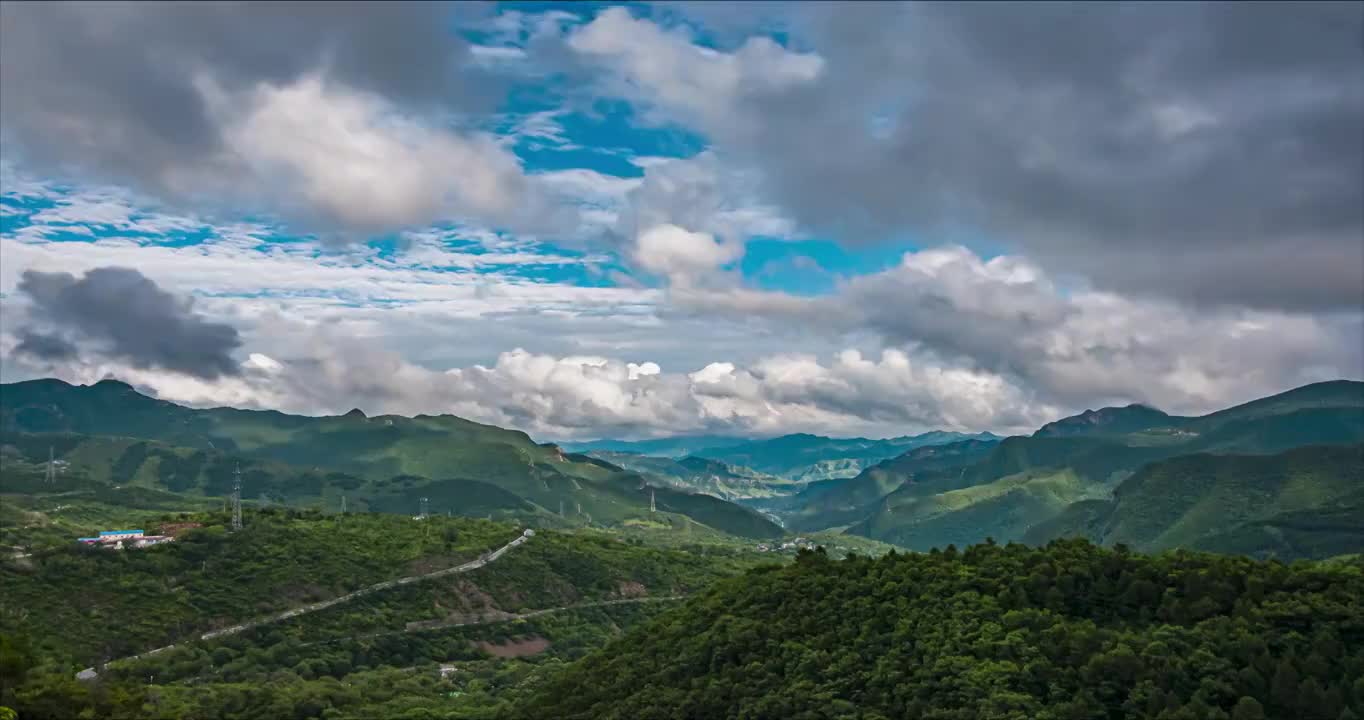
1089 474
1132 475
109 433
801 457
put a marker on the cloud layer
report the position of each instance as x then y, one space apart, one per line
1208 152
693 217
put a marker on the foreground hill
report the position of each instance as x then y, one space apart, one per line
112 434
73 607
1066 631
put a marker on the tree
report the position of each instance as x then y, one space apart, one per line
1283 689
1248 708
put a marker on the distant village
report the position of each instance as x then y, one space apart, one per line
799 543
134 539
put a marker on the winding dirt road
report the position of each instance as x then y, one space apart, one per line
90 673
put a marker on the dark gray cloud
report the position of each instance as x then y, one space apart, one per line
113 91
42 346
1213 152
130 318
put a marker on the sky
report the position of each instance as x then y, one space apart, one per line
593 220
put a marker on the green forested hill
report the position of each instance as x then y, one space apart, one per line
68 608
1300 503
1047 485
1066 631
109 433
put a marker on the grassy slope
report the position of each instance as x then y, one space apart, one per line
1108 454
1175 503
836 502
1305 502
1003 510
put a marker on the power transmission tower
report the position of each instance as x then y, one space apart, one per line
343 504
652 506
422 514
561 508
237 499
51 477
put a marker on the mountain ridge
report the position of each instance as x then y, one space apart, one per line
396 459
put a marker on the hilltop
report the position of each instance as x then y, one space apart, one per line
109 433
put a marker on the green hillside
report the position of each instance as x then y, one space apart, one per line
70 607
1067 631
837 502
1332 394
1023 488
1304 502
384 463
1003 510
1333 530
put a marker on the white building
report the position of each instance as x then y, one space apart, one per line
118 539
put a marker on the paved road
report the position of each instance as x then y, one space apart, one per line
482 560
508 617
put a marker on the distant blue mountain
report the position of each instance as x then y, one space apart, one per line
674 447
